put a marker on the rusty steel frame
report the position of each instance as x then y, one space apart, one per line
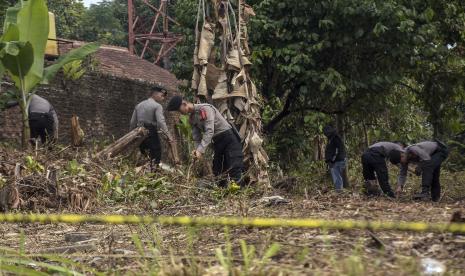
139 33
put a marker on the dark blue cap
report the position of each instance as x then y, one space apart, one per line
175 103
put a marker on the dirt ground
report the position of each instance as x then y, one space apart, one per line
113 248
85 186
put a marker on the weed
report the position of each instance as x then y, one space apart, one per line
74 168
33 165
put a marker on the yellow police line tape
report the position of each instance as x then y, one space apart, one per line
236 221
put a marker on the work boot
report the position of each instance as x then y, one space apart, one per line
422 196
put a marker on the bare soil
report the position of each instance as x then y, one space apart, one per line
193 250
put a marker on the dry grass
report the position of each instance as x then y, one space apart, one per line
148 249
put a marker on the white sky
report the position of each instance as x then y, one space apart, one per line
88 2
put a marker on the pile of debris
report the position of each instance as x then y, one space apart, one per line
42 180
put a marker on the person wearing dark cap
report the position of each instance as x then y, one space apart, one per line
374 162
428 156
210 127
149 114
335 156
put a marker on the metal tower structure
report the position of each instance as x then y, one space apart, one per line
149 35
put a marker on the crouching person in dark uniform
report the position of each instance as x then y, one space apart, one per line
209 126
374 161
149 114
428 156
43 119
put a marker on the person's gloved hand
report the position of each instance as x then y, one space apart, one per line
196 154
418 171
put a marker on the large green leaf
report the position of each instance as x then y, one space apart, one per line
11 33
11 15
73 55
33 25
18 60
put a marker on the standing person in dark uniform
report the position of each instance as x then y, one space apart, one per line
335 156
149 114
43 119
209 126
428 156
374 161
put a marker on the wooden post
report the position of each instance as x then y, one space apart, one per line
77 134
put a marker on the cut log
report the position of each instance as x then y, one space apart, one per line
133 138
77 134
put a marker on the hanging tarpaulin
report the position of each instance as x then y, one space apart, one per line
221 75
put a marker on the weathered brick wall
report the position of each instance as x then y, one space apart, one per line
103 103
10 124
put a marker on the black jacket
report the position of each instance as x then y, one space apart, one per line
335 149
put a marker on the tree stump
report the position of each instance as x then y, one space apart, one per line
77 134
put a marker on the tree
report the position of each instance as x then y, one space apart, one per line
68 16
437 75
22 52
330 56
100 23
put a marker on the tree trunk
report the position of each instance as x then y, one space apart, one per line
365 134
77 134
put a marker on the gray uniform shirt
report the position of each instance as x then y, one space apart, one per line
423 150
204 129
150 112
41 105
386 147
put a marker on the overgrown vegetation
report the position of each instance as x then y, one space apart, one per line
379 70
22 53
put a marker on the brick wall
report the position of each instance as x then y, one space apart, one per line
103 103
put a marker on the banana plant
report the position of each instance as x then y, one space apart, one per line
22 52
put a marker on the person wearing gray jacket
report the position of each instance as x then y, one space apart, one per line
149 114
43 119
210 127
429 156
374 162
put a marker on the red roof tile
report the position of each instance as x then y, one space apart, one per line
118 62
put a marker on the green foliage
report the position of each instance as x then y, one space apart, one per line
185 12
251 265
27 31
74 70
74 168
33 165
68 16
185 130
127 186
4 4
73 55
22 52
105 22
